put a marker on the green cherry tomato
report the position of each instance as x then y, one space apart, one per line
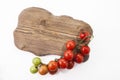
33 69
36 61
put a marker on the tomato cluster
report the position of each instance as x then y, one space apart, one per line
74 53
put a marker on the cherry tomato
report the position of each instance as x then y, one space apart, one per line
33 69
62 63
84 35
86 57
70 45
70 64
79 58
85 50
43 69
52 66
36 61
68 55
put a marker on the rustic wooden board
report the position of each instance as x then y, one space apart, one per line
42 33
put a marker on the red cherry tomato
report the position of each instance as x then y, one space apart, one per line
70 45
62 63
86 57
85 50
84 35
52 66
68 55
79 58
70 64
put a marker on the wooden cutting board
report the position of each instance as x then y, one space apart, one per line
40 32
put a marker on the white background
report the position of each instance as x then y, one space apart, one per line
102 15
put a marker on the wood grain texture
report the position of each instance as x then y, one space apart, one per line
42 33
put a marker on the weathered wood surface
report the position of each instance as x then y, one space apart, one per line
42 33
